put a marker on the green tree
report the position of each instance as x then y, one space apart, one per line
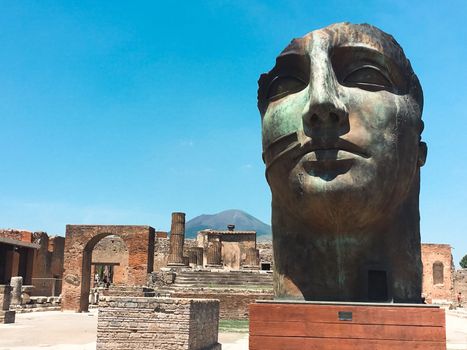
463 262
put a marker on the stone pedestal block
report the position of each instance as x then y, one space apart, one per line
16 284
292 325
158 323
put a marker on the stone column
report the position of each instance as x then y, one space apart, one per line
16 284
177 238
251 260
214 254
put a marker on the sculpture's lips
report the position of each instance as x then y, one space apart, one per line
337 150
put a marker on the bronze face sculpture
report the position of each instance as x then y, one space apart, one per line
341 125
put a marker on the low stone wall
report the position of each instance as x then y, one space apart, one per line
158 323
233 305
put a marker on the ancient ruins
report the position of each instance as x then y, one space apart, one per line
235 262
123 269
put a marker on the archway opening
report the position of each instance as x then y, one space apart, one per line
105 263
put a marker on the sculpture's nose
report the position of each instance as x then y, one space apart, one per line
324 111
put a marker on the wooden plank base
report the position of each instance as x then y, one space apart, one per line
309 326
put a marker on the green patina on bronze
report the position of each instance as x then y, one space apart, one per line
341 125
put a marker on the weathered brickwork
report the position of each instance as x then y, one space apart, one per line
18 235
158 323
438 271
233 305
79 243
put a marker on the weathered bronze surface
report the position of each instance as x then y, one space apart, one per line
341 125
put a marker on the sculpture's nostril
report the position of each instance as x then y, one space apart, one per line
334 117
314 118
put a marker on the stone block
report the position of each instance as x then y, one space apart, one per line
158 323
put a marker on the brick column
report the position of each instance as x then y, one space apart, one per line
214 254
177 238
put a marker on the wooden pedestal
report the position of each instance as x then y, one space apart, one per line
286 325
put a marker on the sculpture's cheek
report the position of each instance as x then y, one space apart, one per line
283 117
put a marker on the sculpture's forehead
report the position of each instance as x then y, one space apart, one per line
345 35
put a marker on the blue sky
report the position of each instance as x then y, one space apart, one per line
122 112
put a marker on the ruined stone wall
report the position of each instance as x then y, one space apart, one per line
80 241
161 253
44 266
460 285
189 243
233 305
48 264
438 271
112 250
158 323
234 246
265 252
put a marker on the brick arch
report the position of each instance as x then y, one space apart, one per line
79 243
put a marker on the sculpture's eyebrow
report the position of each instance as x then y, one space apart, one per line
296 47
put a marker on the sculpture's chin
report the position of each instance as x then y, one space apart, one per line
347 195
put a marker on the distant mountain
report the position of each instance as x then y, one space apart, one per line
241 220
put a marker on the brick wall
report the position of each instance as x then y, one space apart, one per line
233 305
434 290
79 243
158 323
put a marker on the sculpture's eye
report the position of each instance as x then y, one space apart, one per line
282 86
368 78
